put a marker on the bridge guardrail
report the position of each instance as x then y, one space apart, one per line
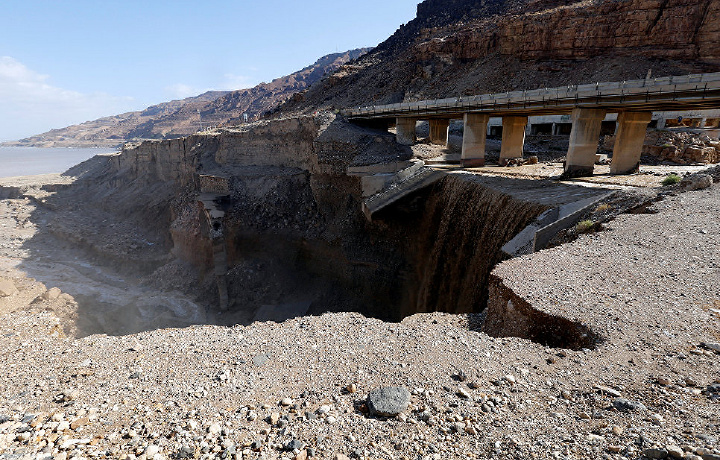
677 87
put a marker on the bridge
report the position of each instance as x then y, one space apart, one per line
634 101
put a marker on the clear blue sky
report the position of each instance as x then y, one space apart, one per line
65 62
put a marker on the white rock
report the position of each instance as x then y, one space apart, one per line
52 294
7 288
323 409
214 429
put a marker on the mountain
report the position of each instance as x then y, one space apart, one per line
465 47
183 117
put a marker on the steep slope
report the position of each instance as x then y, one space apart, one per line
183 117
465 47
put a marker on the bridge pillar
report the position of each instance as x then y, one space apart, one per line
513 138
405 130
629 141
439 131
474 135
584 137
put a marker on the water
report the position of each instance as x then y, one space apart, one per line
28 161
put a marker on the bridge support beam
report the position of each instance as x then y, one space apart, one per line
474 135
439 131
513 138
405 130
632 127
584 137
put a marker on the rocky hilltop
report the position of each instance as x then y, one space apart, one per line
469 47
184 117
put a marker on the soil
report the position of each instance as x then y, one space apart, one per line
178 387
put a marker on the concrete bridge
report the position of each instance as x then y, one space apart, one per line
634 101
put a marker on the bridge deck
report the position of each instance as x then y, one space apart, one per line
700 91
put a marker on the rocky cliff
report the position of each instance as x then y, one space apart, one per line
469 47
184 117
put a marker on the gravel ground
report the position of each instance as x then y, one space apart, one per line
648 286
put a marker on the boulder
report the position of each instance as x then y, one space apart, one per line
7 288
52 294
388 401
696 182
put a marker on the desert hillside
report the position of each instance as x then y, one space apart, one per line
183 117
466 47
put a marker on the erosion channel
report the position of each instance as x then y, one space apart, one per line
263 222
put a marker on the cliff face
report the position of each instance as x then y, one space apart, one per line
661 29
292 227
183 117
466 47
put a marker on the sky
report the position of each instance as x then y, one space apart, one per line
66 62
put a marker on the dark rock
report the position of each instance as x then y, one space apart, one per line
388 401
256 445
655 453
708 439
186 452
625 405
294 444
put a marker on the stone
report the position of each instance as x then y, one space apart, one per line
388 401
696 182
77 423
625 405
711 456
324 409
152 450
261 359
713 346
294 444
352 388
607 390
655 453
214 429
274 418
286 402
657 419
52 294
302 455
675 451
463 393
7 288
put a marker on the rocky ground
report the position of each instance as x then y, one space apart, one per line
647 287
